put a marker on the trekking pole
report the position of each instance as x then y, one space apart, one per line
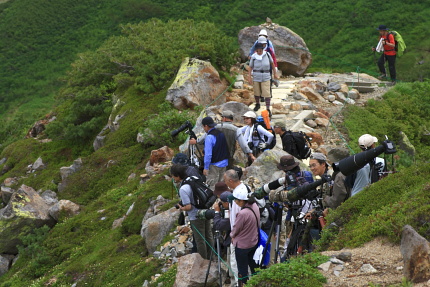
278 232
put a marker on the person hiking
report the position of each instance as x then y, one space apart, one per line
263 33
255 134
232 135
389 53
263 40
261 65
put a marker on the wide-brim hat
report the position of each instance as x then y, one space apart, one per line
287 163
382 27
220 187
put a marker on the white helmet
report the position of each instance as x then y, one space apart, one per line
262 40
263 32
240 192
250 114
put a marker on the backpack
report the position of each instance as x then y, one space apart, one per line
203 196
297 144
400 45
261 122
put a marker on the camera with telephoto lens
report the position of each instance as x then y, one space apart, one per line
185 126
177 206
290 178
209 214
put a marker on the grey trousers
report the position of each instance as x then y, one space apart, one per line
201 228
215 175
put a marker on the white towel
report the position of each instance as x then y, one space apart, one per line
380 47
258 255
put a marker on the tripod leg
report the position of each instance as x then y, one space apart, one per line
278 231
218 247
268 239
209 268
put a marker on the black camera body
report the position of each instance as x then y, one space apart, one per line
177 206
185 126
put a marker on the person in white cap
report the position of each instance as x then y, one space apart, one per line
264 34
255 135
370 172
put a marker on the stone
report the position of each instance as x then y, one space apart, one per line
157 227
130 209
304 115
240 96
291 61
333 87
354 94
320 115
66 207
238 85
325 266
6 193
315 138
406 145
331 98
99 142
161 155
38 164
25 211
261 170
8 182
37 128
66 171
299 96
296 107
197 83
193 270
336 273
350 101
334 155
311 94
240 78
337 103
340 97
140 138
118 222
279 109
322 122
131 177
415 251
344 88
50 197
4 265
367 268
238 110
338 267
336 261
311 123
3 160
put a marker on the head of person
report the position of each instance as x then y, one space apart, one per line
383 30
259 48
263 32
240 196
367 141
182 159
227 116
250 118
280 128
220 188
318 163
263 41
208 123
231 178
178 172
287 163
224 199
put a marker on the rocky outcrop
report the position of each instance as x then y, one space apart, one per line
415 250
161 155
291 51
157 227
65 207
193 272
66 171
25 211
197 83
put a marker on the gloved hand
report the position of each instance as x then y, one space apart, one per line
262 145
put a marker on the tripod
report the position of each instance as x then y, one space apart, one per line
277 222
218 248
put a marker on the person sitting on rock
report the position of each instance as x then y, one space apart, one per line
263 33
232 135
202 229
261 70
257 137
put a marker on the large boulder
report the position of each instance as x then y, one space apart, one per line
193 272
4 264
161 155
157 227
67 207
197 83
25 211
415 250
291 51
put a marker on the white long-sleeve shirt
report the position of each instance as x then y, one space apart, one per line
248 131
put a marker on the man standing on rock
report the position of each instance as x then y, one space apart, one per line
389 53
232 134
216 153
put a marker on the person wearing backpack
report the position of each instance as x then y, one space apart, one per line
388 42
202 229
261 69
263 33
256 136
295 143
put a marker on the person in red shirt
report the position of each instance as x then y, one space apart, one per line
389 54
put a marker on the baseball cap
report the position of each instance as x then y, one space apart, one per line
250 114
227 114
280 125
367 140
208 121
224 196
220 187
318 156
287 163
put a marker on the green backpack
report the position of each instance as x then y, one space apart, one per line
400 43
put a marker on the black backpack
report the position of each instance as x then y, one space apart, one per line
297 144
273 143
203 196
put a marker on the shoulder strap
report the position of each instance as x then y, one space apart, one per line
256 219
256 130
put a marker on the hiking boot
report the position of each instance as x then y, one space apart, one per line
257 107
